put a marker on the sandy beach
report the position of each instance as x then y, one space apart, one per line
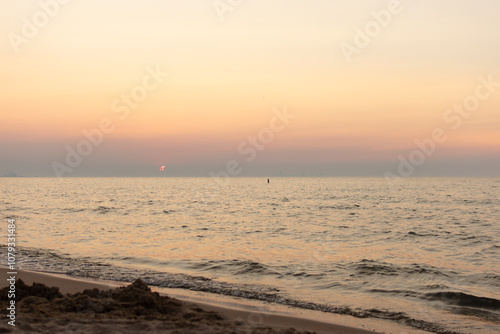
92 306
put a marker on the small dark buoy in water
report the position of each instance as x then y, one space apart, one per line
267 180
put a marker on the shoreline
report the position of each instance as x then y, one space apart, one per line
251 312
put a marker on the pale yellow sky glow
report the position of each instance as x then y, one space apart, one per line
228 73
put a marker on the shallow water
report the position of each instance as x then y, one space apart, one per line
425 253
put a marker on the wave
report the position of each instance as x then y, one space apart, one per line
405 293
235 267
422 234
463 299
141 261
340 207
448 297
103 209
72 210
373 267
488 278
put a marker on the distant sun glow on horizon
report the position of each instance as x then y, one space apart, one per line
259 88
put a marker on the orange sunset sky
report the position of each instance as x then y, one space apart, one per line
65 66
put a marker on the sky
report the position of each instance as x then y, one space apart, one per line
249 88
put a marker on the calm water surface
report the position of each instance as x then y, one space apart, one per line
425 253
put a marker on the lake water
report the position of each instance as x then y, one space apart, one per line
425 252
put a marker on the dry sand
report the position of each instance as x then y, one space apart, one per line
57 304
